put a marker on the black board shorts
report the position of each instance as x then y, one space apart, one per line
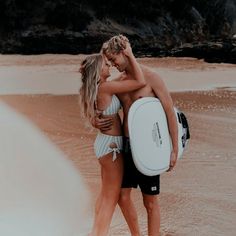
132 178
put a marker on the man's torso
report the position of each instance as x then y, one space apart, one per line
127 99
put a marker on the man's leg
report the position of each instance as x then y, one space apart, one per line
127 207
150 187
153 211
129 181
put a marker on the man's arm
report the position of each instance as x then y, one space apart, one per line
163 95
102 123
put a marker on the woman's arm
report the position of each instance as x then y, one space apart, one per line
123 86
126 85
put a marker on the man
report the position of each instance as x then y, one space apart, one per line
149 185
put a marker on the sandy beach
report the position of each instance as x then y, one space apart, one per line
198 197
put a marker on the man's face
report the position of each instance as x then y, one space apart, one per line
118 60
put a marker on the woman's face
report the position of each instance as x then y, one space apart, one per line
105 70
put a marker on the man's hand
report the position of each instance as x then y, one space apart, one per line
128 50
103 123
173 160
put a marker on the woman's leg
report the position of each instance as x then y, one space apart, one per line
112 173
128 209
97 207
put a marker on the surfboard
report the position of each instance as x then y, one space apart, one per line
150 140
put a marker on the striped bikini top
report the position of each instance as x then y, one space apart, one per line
114 106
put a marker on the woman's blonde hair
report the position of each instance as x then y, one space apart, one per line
114 45
90 70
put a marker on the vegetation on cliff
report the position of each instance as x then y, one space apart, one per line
155 28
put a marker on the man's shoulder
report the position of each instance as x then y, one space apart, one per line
149 73
147 69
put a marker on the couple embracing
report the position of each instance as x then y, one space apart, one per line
101 101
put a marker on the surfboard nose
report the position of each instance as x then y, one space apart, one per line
185 128
185 125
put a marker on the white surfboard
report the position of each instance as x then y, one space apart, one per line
149 135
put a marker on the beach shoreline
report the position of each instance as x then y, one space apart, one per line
198 197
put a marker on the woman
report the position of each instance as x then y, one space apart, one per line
97 96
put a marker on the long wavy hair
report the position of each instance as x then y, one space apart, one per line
90 70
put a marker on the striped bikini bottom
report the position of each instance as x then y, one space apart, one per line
105 144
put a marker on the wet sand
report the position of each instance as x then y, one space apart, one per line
198 197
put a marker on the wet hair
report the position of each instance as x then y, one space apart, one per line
90 76
114 45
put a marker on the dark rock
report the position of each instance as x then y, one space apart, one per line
155 28
215 51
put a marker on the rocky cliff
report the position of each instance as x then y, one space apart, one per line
199 28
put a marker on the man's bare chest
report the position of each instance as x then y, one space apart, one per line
143 92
